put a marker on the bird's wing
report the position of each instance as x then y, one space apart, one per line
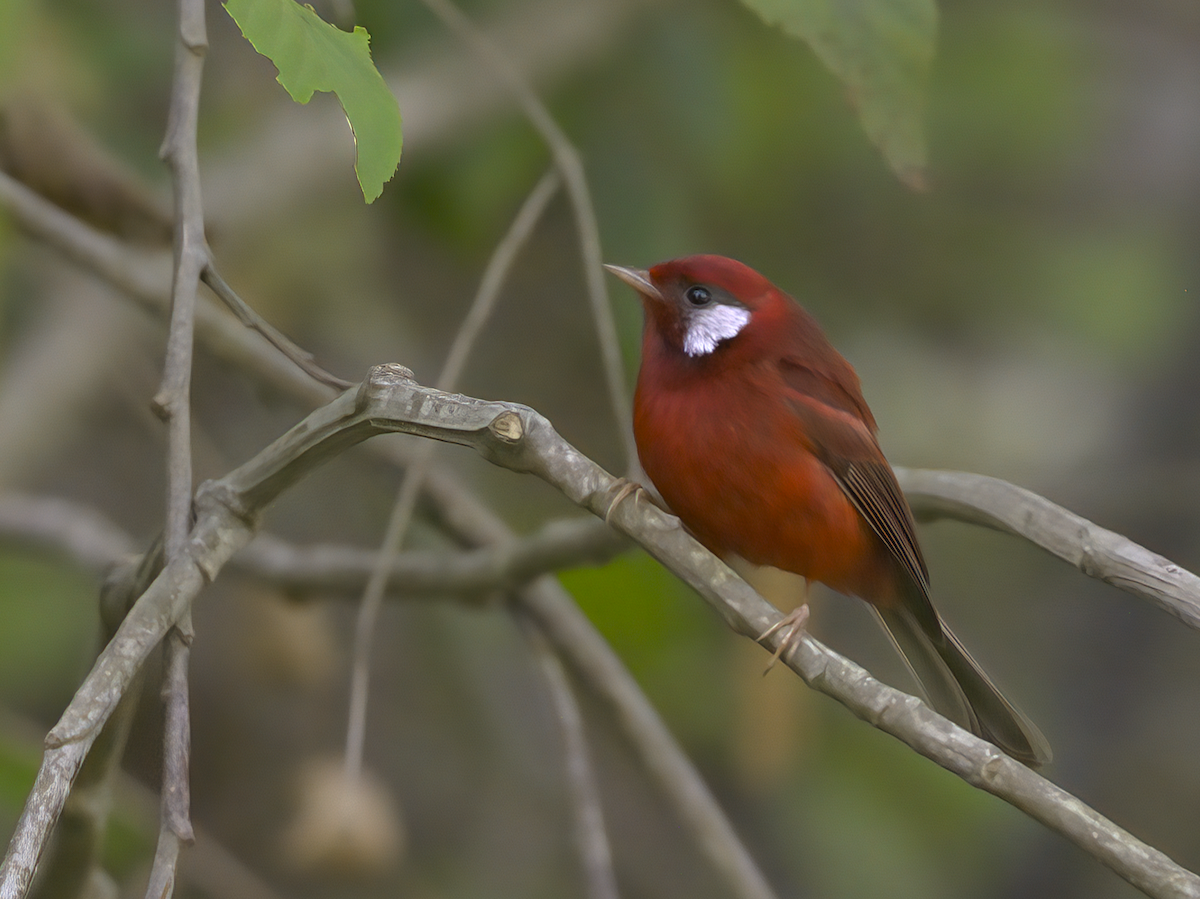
832 419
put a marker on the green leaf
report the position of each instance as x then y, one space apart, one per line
312 55
882 50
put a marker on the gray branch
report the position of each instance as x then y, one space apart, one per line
518 438
144 280
1097 552
591 838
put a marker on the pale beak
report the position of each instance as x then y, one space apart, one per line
637 278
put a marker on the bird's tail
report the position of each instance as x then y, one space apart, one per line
957 687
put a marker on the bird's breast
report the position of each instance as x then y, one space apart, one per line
734 464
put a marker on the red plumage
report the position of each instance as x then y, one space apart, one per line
755 432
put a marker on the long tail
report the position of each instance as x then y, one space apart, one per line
957 687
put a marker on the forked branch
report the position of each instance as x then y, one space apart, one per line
518 438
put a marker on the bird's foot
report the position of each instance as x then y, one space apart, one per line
794 623
624 488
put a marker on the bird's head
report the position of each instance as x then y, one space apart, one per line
696 303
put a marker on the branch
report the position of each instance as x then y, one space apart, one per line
92 541
570 166
173 401
245 313
590 835
472 326
459 510
79 532
464 514
594 661
518 438
466 574
145 279
219 533
1097 552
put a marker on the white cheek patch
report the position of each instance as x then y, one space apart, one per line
708 327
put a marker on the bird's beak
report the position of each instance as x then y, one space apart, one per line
637 278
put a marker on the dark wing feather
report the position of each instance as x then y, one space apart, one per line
839 426
872 488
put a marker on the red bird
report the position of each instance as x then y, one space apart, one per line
755 432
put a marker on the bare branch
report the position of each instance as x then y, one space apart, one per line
1141 865
1097 552
518 438
218 534
83 534
606 676
570 166
494 276
590 835
467 574
179 152
302 358
477 316
143 280
92 541
173 400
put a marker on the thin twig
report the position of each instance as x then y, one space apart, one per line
174 402
175 829
251 319
590 835
179 152
607 678
570 166
481 309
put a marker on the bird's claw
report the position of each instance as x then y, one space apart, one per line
624 488
794 622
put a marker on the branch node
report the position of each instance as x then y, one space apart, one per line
379 381
507 427
993 769
160 406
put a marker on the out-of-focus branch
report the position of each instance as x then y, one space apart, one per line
146 279
219 533
92 541
209 866
82 534
1095 551
590 836
594 662
486 297
570 166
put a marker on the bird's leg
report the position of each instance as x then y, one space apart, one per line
624 488
794 622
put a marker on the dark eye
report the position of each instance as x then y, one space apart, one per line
698 295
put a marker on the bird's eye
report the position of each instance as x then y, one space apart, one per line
698 295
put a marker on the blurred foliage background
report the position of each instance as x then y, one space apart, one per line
1032 316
